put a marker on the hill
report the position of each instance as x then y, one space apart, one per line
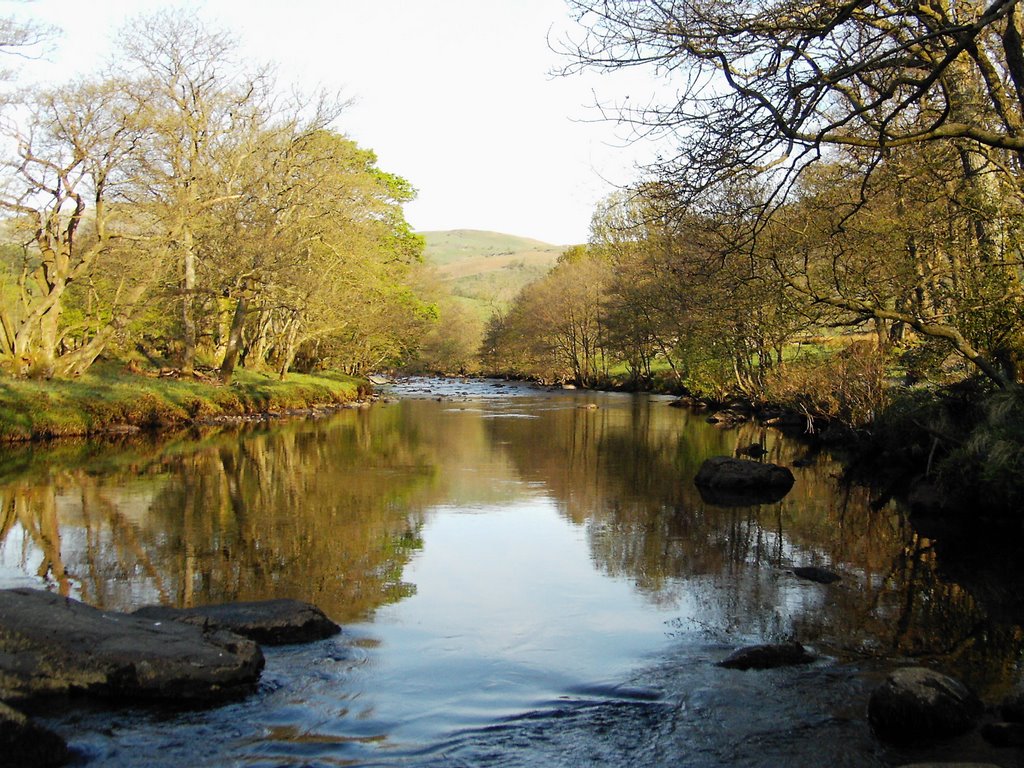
488 268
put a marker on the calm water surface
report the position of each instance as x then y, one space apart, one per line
523 579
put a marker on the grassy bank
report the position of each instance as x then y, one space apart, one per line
109 398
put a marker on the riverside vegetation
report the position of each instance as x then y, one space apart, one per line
836 230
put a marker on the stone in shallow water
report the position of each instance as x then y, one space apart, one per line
814 573
1004 734
767 656
917 703
55 646
727 481
271 622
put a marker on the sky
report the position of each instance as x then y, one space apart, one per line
454 95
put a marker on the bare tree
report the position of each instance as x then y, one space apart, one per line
766 89
67 157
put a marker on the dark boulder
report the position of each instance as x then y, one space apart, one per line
816 574
767 656
917 703
270 622
1004 734
1012 708
55 646
25 743
727 481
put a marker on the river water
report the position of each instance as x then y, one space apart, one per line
524 578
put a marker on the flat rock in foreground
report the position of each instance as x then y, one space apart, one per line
270 622
55 646
729 481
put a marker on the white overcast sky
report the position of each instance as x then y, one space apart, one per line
454 95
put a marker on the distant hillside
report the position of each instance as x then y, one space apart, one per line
488 268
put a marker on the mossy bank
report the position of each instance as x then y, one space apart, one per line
110 398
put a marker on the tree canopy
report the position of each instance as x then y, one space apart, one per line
185 207
865 154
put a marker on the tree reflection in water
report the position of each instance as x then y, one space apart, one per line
626 474
332 511
318 511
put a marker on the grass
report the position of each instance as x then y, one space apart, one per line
109 397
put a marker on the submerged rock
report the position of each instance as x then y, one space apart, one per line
270 622
754 450
767 656
727 481
55 646
816 574
25 743
916 703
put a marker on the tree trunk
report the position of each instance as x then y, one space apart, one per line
188 288
289 348
227 366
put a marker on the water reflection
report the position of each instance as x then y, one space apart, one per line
333 511
319 511
625 472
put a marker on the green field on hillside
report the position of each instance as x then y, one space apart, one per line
488 268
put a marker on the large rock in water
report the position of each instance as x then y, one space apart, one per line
917 703
24 743
727 481
271 622
54 646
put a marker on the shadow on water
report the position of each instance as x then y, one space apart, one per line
365 513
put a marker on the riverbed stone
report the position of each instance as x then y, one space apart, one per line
767 656
754 451
269 622
816 574
729 481
916 703
1004 734
24 742
55 646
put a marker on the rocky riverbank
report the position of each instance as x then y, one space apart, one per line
54 648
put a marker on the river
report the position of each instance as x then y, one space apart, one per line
524 578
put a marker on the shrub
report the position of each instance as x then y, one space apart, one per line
848 386
987 467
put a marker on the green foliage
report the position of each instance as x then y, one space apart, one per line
984 471
223 222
